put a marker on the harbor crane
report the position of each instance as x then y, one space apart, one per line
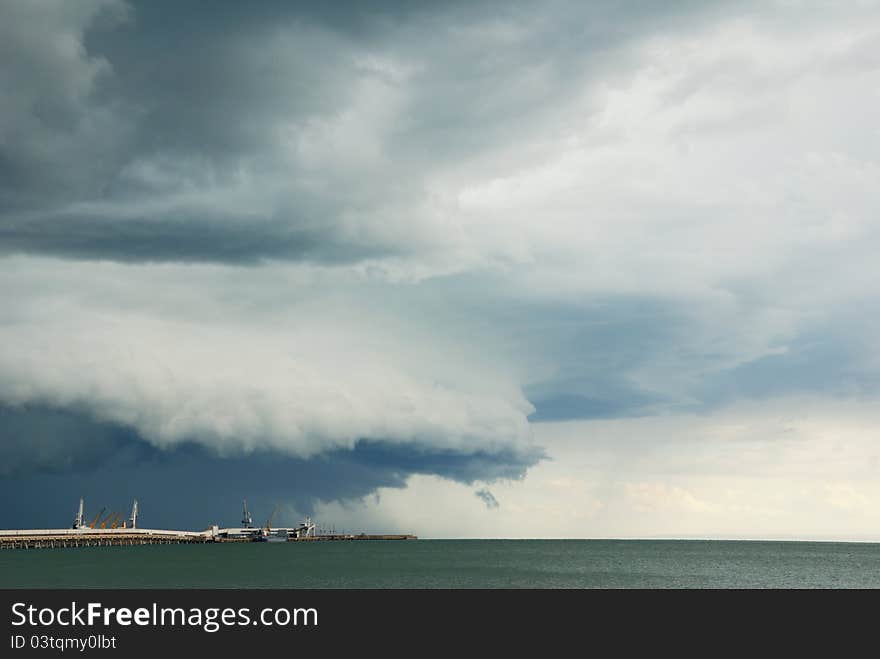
112 521
107 519
271 518
97 517
309 527
78 521
246 520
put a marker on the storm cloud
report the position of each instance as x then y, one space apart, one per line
488 498
369 243
151 132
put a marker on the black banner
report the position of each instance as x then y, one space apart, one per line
396 622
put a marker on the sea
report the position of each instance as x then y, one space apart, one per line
652 564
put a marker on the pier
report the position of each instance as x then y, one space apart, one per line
112 531
57 538
360 536
50 538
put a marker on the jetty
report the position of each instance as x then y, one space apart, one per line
112 531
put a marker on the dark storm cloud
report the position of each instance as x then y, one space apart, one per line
829 364
40 440
156 101
488 498
600 346
52 457
185 238
612 405
597 346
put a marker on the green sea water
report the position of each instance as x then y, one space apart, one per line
451 564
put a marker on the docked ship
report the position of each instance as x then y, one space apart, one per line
267 533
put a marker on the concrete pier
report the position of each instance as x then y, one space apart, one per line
49 538
361 536
55 538
85 535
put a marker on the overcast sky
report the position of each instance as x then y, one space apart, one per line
566 269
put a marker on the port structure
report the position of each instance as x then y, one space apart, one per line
78 520
108 532
246 520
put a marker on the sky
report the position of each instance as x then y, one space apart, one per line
566 269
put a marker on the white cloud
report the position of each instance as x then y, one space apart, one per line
801 468
151 353
660 497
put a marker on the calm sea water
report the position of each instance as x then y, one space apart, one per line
452 564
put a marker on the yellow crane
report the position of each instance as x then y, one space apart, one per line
271 519
116 521
106 519
95 521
